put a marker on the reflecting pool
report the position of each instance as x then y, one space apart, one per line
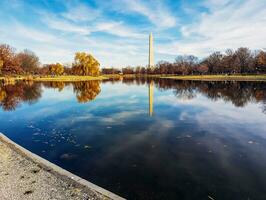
147 138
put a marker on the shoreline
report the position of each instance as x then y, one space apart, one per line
110 76
219 77
26 175
50 79
69 78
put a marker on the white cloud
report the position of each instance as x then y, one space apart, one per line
32 33
65 26
228 24
118 29
120 117
81 12
155 11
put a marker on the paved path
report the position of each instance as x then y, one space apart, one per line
24 178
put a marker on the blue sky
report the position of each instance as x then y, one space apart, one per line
116 31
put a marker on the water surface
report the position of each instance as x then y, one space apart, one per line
147 139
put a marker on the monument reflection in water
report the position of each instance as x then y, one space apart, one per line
203 139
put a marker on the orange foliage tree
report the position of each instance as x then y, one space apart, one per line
9 62
85 64
56 69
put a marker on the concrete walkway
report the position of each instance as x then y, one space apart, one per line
24 175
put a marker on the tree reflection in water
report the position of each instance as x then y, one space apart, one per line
56 85
236 92
239 93
86 91
12 95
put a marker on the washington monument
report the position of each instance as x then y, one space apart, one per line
151 56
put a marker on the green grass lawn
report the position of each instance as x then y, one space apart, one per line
55 78
69 78
220 77
178 77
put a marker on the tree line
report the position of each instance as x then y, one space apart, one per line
240 61
27 63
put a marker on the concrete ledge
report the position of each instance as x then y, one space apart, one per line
58 171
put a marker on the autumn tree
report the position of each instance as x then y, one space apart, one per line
261 62
28 61
184 64
128 70
44 70
243 59
85 64
202 69
9 61
214 62
228 61
163 67
110 71
56 69
67 70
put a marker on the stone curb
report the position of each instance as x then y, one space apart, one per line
58 171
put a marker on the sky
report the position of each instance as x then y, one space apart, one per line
116 31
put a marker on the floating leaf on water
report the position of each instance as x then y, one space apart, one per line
68 156
73 141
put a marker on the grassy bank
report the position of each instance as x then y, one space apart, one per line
177 77
69 78
220 77
50 78
133 75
